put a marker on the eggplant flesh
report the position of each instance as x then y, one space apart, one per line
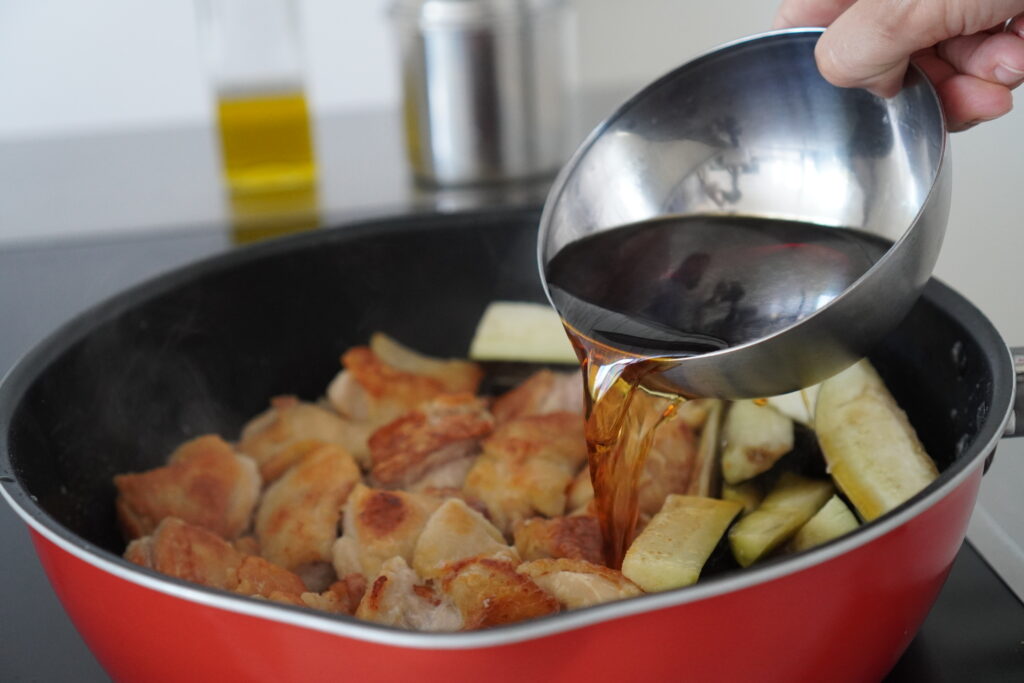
672 549
870 447
786 508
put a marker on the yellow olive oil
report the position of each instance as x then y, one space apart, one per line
269 165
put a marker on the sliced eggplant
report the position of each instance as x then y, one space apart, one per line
705 476
787 507
872 451
521 331
797 405
755 437
675 544
455 374
833 520
748 494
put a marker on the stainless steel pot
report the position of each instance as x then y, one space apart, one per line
485 86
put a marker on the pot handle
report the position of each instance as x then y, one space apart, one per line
1015 427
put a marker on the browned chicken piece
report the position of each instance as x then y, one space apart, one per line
543 392
247 545
256 576
280 462
581 491
328 601
187 552
341 597
456 375
490 592
669 467
192 553
527 466
576 537
290 428
283 598
347 397
385 380
205 483
455 532
447 480
371 393
577 583
447 428
297 520
445 492
398 597
379 525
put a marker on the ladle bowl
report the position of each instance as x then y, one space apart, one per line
750 131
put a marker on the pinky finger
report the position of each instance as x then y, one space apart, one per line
968 100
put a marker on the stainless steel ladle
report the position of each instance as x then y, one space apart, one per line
752 129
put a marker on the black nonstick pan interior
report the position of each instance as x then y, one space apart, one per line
204 348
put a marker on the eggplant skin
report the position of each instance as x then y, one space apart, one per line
872 450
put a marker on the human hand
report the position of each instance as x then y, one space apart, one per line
971 50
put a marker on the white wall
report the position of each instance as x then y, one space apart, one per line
71 66
68 66
83 68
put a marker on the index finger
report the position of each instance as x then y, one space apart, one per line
793 13
870 44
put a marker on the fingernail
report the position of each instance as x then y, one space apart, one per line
1007 75
967 125
884 93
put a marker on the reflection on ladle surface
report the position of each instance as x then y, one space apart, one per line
638 299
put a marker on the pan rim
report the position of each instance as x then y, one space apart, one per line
25 371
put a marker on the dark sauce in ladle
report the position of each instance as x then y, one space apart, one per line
639 298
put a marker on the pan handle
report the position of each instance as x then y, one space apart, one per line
1015 427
